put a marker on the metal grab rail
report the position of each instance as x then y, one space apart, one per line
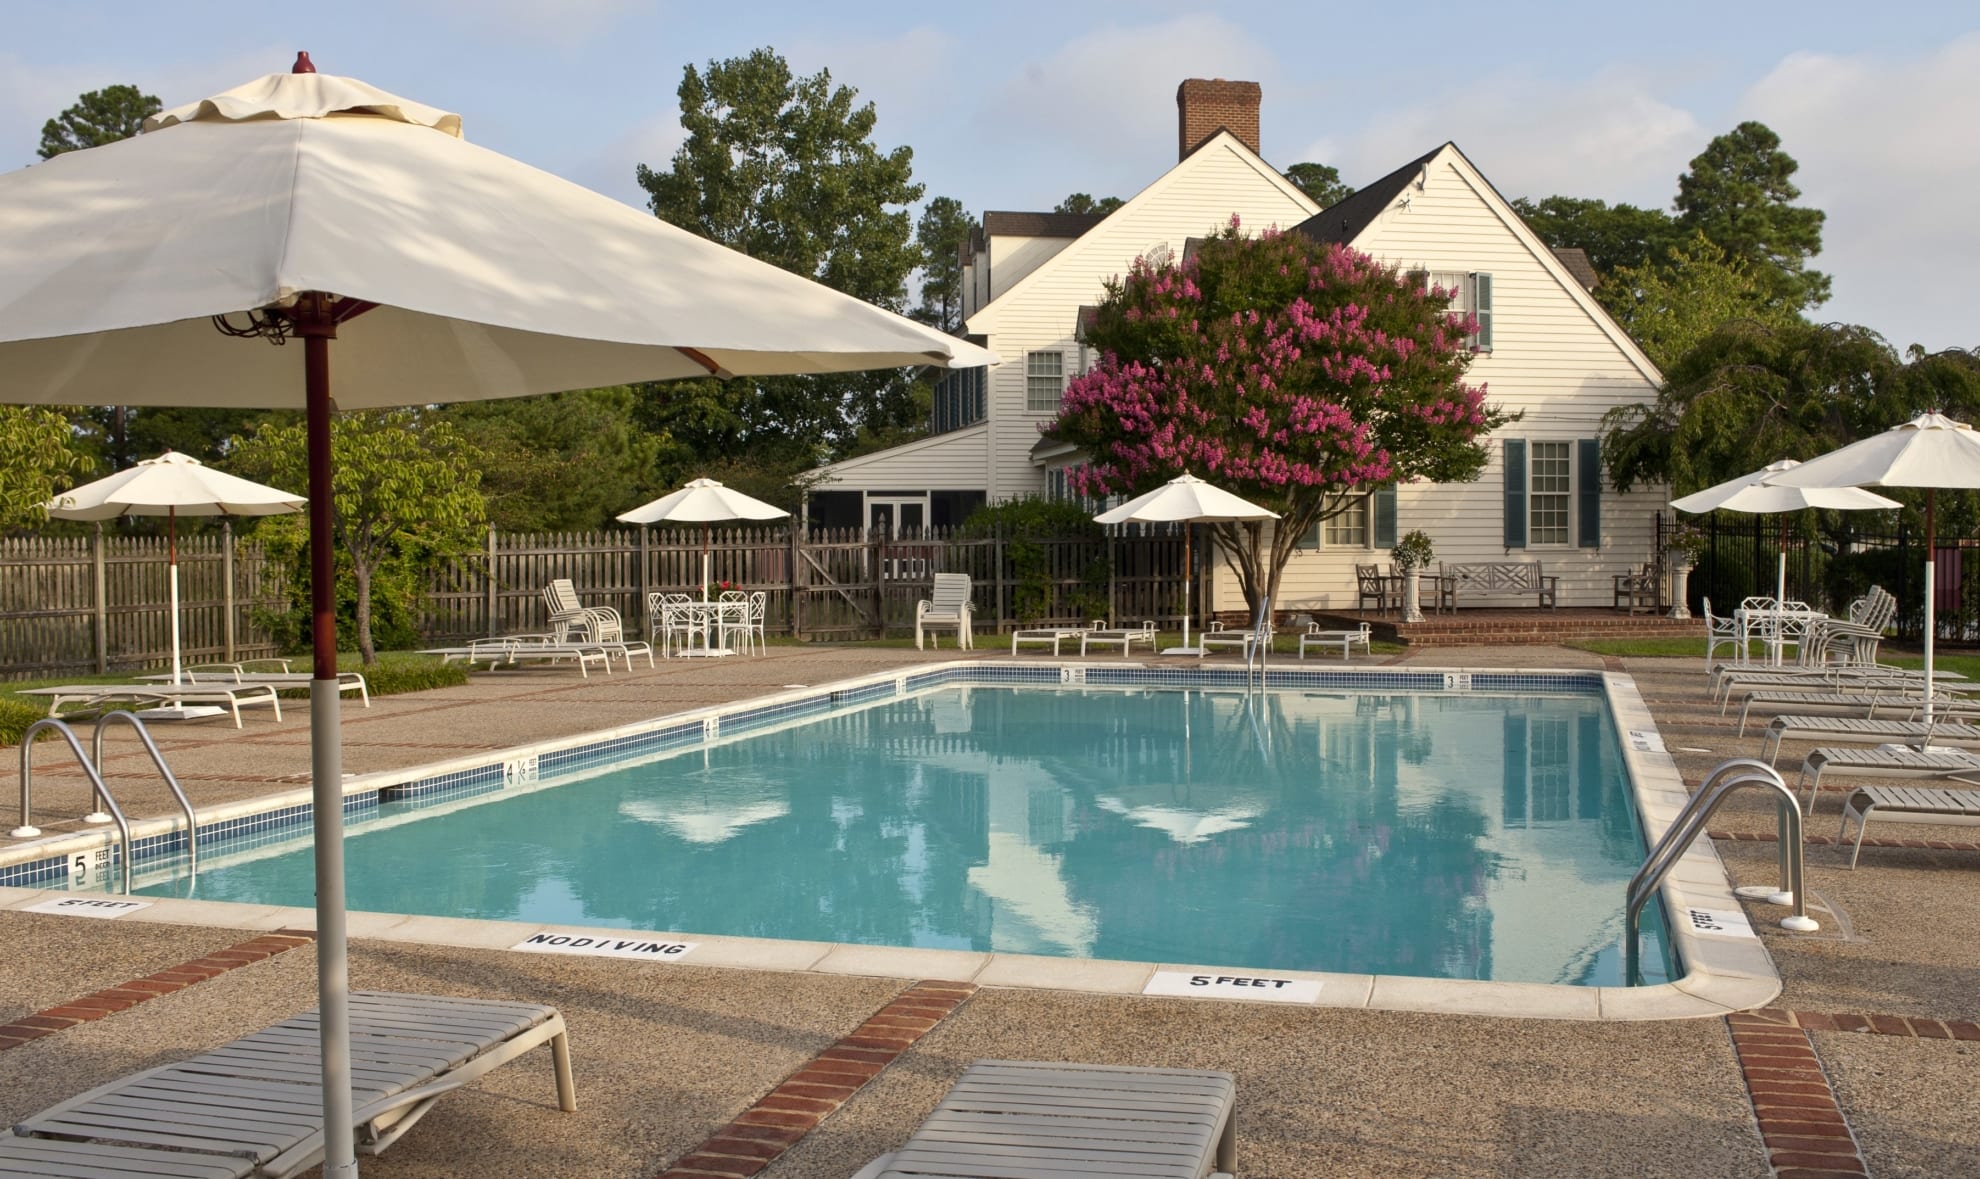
26 830
165 771
1720 784
1261 630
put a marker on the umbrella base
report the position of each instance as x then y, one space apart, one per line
1183 651
702 653
180 712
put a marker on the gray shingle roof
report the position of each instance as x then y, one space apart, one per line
1040 224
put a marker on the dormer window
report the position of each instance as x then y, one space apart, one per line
1471 294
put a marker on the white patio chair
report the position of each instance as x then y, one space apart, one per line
948 606
732 620
1722 631
570 618
674 621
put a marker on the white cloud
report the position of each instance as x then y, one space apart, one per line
1889 148
1099 114
1609 136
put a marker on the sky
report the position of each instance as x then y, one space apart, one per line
1015 105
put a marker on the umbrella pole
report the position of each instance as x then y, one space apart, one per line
172 562
326 760
1931 593
1189 530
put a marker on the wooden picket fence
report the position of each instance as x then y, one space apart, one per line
99 603
822 585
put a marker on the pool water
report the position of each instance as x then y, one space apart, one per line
1458 835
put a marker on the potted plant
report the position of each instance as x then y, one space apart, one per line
1412 554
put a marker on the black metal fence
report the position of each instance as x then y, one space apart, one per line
1832 568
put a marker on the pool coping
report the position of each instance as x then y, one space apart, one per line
1721 974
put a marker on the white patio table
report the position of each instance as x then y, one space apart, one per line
1776 623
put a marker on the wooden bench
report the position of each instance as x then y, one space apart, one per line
1500 577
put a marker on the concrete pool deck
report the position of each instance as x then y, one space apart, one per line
668 1055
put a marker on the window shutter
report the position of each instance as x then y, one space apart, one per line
1385 517
1481 295
1588 487
1515 493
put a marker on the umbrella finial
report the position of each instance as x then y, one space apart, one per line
303 64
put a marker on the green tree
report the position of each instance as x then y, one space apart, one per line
1322 182
940 235
564 462
407 490
99 117
1083 202
1671 308
1754 392
784 169
1738 193
1615 236
1297 375
38 457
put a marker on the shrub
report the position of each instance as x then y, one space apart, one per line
401 672
16 714
1026 525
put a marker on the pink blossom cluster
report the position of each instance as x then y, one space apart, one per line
1301 395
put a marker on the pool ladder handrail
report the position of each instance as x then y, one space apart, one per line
1261 630
103 795
1725 778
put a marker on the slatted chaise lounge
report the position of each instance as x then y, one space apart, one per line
1040 635
1885 761
281 679
1026 1119
1865 731
1241 639
93 697
1867 704
1906 804
252 1108
1127 636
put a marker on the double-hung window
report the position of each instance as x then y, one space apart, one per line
1471 294
1553 493
1550 492
1044 381
1349 529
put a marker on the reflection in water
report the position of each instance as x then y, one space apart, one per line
1460 836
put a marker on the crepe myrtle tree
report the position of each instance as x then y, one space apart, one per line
1298 375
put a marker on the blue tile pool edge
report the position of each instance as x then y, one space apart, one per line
1717 975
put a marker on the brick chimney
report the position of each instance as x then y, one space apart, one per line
1205 106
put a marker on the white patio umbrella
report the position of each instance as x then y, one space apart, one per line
1749 494
1929 451
159 270
172 485
703 502
1187 500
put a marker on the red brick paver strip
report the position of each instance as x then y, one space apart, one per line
1914 1026
1829 840
782 1117
110 1000
1803 1128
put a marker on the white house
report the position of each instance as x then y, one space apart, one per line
1025 278
1545 347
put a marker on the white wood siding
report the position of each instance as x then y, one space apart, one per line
946 462
1550 358
1194 199
1013 257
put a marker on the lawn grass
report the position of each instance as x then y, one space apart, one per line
395 672
1964 663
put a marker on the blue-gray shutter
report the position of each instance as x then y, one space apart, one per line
1515 493
1385 517
1588 486
1481 296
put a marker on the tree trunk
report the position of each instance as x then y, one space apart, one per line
361 573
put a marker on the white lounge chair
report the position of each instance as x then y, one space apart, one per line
1884 703
252 671
572 619
95 697
514 649
1101 635
1040 635
1884 761
1866 731
948 605
1346 640
1906 804
251 1108
1025 1118
1218 636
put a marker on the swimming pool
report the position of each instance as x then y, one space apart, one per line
1447 834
